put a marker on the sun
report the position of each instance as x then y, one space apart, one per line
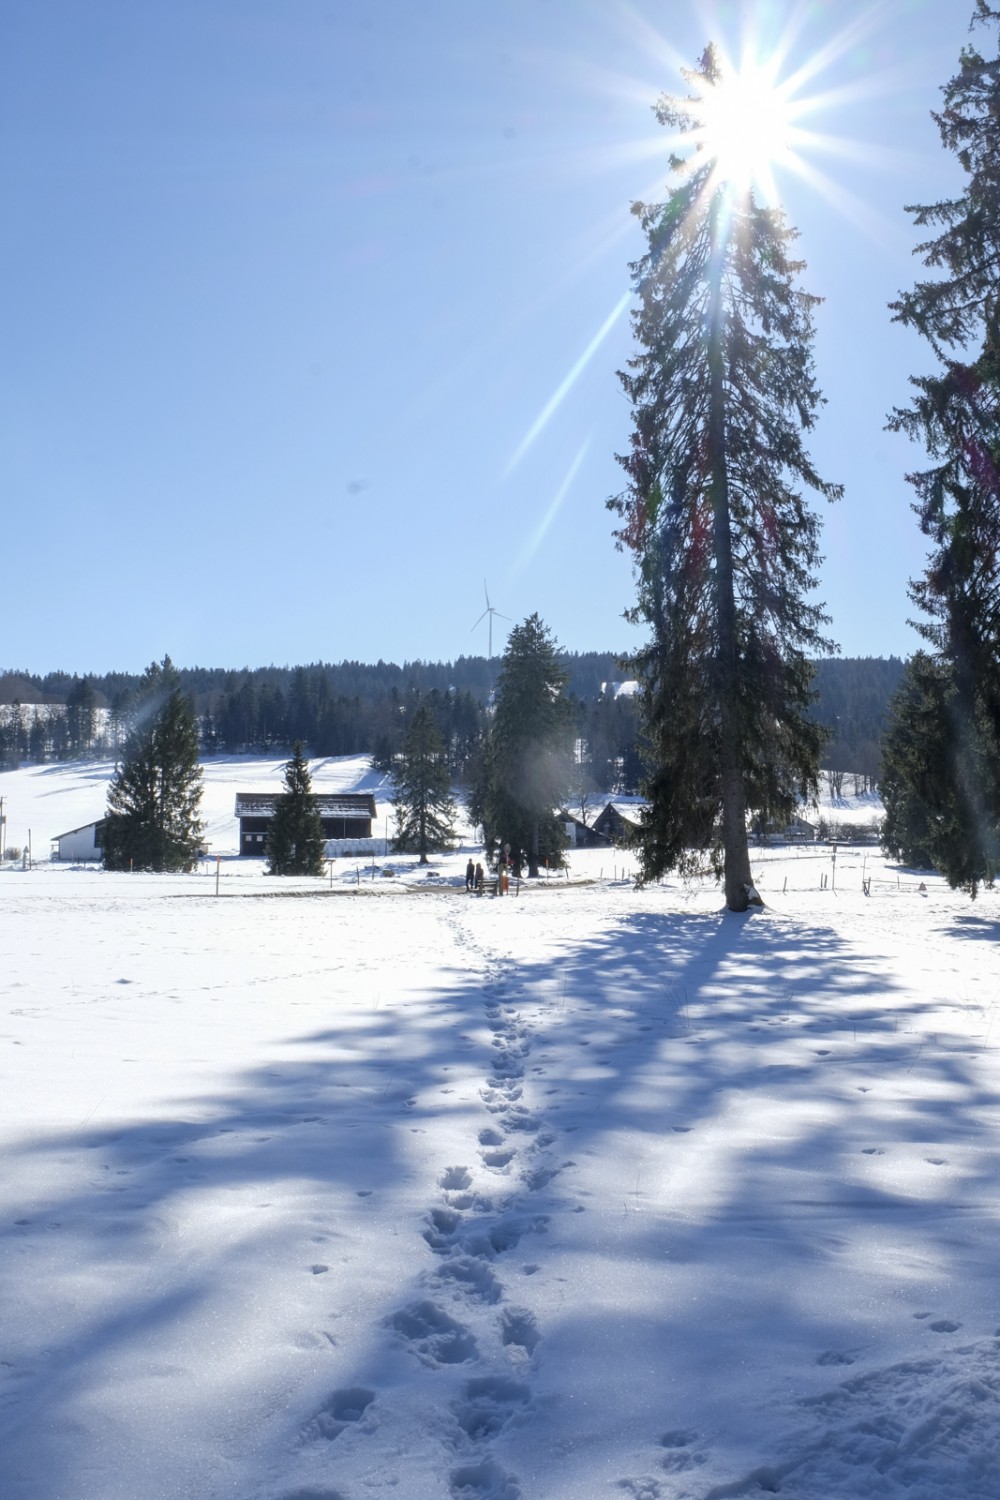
745 124
751 121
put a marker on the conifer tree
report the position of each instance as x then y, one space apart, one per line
81 715
955 414
425 810
722 390
295 844
528 751
924 824
152 820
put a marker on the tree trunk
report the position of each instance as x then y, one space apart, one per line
736 852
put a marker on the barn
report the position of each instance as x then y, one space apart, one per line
345 816
579 833
80 843
620 822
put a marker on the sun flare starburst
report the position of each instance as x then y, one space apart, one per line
764 115
745 124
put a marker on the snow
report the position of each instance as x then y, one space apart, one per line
323 1191
49 800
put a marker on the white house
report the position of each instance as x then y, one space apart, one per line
80 843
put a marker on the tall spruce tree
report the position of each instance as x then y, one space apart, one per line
152 820
923 824
528 751
295 844
425 811
955 414
722 390
81 716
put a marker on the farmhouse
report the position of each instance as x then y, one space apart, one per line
345 815
80 843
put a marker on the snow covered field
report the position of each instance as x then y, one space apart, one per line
50 800
334 1194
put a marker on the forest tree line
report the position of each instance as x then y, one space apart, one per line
354 709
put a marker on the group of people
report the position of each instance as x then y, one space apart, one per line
475 877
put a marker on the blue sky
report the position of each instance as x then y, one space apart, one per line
310 313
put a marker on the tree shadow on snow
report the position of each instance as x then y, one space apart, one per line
788 1113
758 1069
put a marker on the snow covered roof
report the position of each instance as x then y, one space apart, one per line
629 812
82 829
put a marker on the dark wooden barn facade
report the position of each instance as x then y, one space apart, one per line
620 822
345 815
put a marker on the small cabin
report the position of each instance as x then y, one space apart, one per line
579 833
620 822
344 815
80 844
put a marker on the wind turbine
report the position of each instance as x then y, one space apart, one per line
489 610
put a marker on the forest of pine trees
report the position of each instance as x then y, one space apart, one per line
56 718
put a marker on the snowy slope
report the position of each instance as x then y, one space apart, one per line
584 1193
52 799
850 809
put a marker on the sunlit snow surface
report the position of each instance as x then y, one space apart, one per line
380 1189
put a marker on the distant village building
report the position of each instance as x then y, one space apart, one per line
80 843
347 819
616 823
620 822
579 833
798 831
